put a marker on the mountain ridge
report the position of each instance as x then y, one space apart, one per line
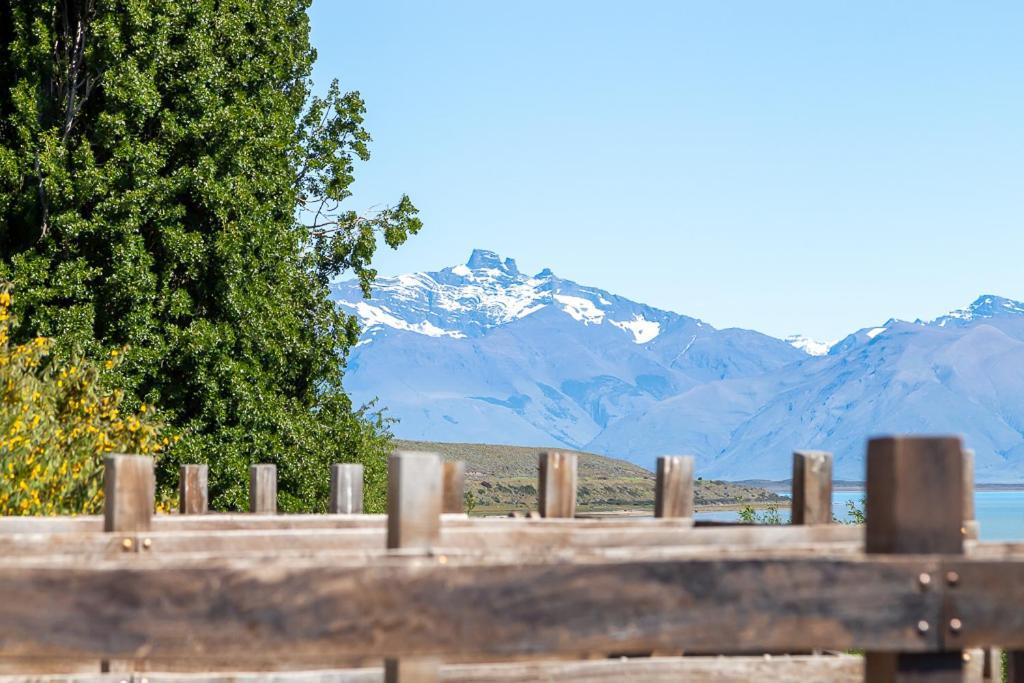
483 352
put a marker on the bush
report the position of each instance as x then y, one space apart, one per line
770 515
56 423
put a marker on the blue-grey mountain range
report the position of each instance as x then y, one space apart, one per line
483 353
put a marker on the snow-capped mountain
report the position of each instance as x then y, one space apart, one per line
483 352
811 347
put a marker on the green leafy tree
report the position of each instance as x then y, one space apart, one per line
170 184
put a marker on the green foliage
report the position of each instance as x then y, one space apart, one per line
168 183
855 512
57 421
769 515
469 502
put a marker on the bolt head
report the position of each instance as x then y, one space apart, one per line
127 544
147 543
952 578
955 625
925 579
923 626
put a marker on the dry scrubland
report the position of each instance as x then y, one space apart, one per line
504 478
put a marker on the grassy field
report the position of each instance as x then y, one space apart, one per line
504 479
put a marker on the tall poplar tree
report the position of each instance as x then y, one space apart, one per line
170 184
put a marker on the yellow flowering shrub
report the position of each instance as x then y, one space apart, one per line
56 424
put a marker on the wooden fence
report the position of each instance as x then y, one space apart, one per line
437 595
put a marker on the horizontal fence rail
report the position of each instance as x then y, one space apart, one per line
778 669
425 583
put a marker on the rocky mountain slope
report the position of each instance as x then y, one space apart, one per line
483 353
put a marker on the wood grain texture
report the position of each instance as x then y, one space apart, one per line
992 670
812 487
412 670
216 521
346 492
193 496
263 489
409 606
778 669
414 500
987 598
556 484
906 476
129 493
915 495
974 666
455 535
454 501
417 492
673 486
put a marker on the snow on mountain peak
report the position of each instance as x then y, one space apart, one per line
486 292
580 309
985 306
643 330
811 347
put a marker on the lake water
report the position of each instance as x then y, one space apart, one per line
1000 514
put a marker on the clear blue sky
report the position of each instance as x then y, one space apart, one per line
809 167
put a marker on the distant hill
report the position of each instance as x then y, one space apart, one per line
504 478
482 352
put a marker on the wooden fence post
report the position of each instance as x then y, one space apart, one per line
129 490
915 506
1015 669
812 488
556 485
454 487
993 666
414 500
346 489
414 523
192 490
971 529
263 489
129 497
673 493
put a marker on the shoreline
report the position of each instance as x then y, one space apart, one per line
640 510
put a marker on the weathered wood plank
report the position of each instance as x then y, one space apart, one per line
556 484
673 493
193 497
992 670
449 605
346 492
812 488
263 489
129 493
915 495
906 476
416 492
414 500
455 535
778 669
971 529
412 670
245 521
454 500
974 666
986 598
